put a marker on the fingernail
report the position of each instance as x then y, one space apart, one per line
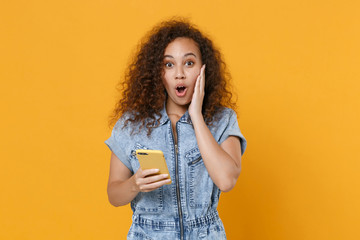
164 175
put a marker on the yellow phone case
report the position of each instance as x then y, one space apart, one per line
153 159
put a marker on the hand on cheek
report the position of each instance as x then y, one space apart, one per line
198 95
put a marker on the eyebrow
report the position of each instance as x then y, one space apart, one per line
187 54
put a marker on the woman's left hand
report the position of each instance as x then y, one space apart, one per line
195 108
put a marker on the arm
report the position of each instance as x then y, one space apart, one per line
123 186
223 162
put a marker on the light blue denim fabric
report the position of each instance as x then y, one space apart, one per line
186 209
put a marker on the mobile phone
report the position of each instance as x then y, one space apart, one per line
149 159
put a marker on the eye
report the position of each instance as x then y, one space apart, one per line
169 65
189 63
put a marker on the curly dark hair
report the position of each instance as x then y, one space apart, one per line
143 93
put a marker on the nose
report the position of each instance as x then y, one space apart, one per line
179 74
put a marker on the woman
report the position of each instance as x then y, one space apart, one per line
175 99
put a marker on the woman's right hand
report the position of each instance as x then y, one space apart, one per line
145 181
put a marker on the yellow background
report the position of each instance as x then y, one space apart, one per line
295 66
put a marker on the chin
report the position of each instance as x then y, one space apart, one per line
184 103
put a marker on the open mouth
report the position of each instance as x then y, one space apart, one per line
180 91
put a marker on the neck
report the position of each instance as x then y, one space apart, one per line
174 109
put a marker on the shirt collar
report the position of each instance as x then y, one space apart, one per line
164 117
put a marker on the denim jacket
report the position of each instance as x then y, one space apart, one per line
185 209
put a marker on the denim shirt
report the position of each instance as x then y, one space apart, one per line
192 196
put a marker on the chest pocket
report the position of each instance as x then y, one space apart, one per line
200 186
149 202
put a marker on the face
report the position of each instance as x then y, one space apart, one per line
182 64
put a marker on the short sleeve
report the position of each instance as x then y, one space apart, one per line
232 129
116 144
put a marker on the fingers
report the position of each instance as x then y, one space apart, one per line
195 107
149 180
146 172
146 181
152 186
202 82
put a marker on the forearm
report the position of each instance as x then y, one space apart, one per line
122 193
223 169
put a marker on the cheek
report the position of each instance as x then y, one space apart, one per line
194 75
165 80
